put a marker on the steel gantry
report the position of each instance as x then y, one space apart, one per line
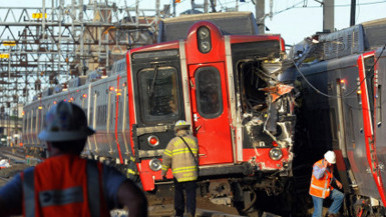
45 46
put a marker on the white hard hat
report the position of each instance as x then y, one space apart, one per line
65 122
330 157
181 124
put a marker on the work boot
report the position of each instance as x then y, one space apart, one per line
332 215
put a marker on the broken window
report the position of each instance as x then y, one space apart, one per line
252 99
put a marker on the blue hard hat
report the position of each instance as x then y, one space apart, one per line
65 122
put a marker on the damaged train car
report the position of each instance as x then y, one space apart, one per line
340 78
225 85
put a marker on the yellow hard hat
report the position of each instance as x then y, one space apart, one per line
181 124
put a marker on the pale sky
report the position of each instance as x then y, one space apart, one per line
296 19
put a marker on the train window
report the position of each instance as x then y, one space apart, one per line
110 111
24 124
333 125
40 117
101 115
350 125
44 118
122 67
208 92
379 105
252 99
158 94
91 121
28 121
31 121
120 109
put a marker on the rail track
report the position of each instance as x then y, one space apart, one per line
156 208
16 154
167 210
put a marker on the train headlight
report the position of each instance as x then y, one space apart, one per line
153 141
203 39
203 33
155 164
275 154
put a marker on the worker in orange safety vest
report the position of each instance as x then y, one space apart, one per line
66 184
320 188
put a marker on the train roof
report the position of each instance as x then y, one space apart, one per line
375 32
231 23
352 40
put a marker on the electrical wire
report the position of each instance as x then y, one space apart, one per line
305 6
339 96
359 11
289 8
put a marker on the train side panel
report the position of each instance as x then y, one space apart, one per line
381 115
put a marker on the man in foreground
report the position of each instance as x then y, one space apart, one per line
66 184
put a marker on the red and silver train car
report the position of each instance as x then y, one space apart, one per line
226 86
341 80
105 106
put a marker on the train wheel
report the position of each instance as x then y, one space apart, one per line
362 208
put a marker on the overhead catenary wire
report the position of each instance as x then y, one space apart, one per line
339 96
296 5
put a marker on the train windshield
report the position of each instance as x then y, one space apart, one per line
159 94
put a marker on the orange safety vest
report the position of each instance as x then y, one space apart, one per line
321 187
65 185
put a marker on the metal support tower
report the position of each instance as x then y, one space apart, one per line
44 46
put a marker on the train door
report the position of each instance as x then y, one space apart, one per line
211 122
369 95
341 125
118 119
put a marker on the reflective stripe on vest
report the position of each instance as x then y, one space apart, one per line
93 188
61 197
29 193
65 196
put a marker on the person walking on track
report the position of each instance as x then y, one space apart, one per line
181 155
320 188
65 184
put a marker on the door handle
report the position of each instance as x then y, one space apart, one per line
197 128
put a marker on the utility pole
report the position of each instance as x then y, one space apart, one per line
174 8
260 15
328 15
352 14
213 5
204 6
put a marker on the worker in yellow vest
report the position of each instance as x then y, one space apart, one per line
181 155
320 188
